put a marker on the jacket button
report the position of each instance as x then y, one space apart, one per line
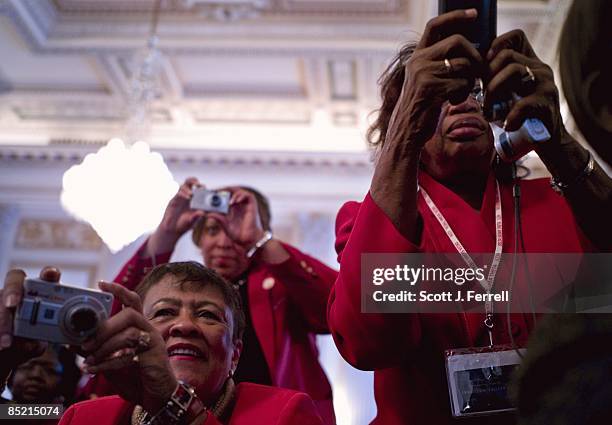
268 283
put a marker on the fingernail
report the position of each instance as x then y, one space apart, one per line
5 341
505 124
471 13
11 301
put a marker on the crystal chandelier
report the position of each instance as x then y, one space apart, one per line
122 190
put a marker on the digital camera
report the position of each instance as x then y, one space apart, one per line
483 30
60 313
210 200
512 145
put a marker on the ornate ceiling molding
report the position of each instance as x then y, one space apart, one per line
56 234
73 151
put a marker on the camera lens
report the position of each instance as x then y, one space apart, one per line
215 200
82 320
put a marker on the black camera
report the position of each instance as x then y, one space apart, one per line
484 30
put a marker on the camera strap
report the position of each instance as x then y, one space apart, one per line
487 284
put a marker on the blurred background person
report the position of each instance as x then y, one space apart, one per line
49 378
284 291
585 47
16 351
564 378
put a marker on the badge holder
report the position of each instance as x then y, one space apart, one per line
478 378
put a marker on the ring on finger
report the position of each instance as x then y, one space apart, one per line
144 340
449 67
529 77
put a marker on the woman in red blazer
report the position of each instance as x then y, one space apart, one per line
172 351
435 147
284 291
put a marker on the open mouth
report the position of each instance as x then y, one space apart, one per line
184 351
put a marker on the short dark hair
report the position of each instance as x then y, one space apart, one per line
263 206
192 276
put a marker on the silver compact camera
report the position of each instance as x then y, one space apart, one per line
60 313
210 200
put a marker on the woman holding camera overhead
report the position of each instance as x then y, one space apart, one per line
437 188
170 354
284 291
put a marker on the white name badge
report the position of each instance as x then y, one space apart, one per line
478 379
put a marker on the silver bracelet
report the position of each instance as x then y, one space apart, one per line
561 187
266 237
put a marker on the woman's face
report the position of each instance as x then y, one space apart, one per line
462 143
37 380
197 326
221 253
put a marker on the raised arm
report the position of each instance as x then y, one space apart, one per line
367 341
588 191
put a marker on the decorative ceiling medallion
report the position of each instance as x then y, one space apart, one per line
228 10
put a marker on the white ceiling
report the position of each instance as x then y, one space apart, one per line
294 75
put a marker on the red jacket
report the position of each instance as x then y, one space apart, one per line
254 404
287 304
406 350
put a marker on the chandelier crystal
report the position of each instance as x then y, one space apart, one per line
122 190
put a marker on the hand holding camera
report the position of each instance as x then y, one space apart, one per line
179 215
60 313
178 219
242 222
15 350
131 353
520 92
533 114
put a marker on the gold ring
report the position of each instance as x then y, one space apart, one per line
144 340
449 67
529 78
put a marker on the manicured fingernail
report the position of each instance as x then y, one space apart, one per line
5 341
471 13
11 301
